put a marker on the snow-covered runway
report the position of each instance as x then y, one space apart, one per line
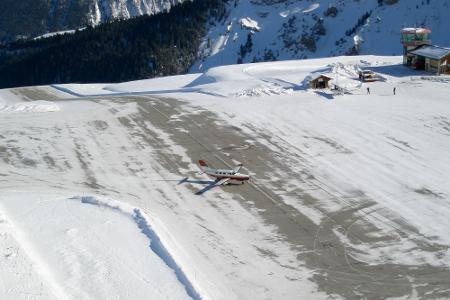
348 196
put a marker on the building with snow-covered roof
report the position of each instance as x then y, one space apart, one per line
432 59
420 54
320 82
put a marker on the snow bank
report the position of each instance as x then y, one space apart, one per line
81 90
79 251
244 80
39 106
169 84
143 222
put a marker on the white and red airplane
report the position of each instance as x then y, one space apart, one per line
223 176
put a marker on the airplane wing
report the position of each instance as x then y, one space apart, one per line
221 181
183 180
237 168
215 183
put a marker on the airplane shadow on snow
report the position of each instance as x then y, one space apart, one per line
209 184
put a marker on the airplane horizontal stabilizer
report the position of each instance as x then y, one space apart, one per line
237 168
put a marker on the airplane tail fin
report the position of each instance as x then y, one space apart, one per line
202 165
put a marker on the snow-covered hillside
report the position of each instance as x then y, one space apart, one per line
278 30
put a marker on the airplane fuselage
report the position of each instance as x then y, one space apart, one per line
220 174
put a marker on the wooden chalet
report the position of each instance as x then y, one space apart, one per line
320 82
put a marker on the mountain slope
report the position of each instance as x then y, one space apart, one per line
28 18
264 30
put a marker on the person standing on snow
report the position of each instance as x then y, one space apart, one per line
368 91
394 90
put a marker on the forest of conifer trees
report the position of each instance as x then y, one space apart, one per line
121 50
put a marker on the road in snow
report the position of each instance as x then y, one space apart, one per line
348 197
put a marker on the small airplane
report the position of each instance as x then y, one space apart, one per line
223 176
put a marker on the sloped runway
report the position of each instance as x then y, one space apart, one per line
318 246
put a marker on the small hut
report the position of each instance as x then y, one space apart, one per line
320 82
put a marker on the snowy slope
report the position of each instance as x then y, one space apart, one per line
380 158
73 248
277 28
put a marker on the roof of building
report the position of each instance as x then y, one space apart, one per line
416 30
322 75
431 51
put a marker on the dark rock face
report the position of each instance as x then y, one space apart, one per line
29 18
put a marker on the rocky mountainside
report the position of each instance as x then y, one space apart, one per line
264 30
29 18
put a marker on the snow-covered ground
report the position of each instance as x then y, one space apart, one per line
60 247
387 150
